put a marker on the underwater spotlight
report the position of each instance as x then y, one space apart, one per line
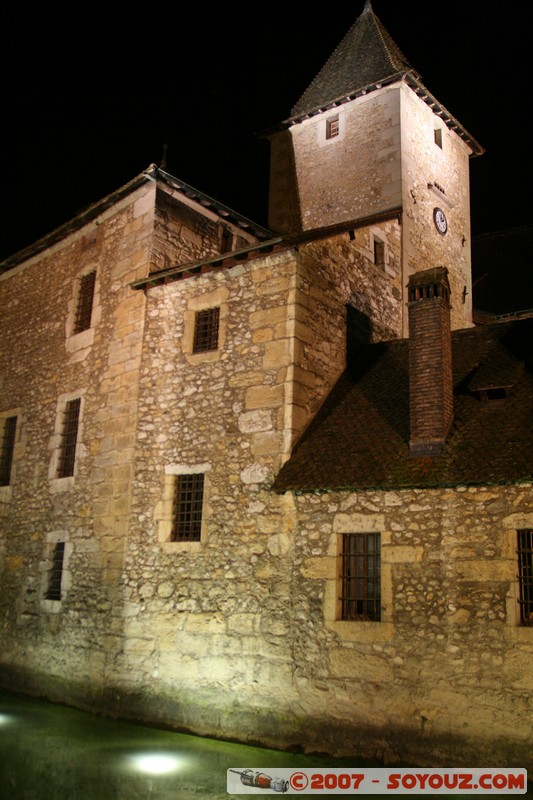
156 763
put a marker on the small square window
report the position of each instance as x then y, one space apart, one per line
84 307
56 573
332 128
206 330
69 438
360 577
525 575
188 508
438 137
379 253
7 448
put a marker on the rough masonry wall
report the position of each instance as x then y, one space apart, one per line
205 623
52 644
445 677
345 273
185 234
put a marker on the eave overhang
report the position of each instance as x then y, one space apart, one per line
412 79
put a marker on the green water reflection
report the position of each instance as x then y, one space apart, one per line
49 752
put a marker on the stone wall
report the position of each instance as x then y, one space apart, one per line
44 364
445 675
182 235
237 635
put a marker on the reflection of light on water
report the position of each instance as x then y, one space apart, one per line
157 763
5 718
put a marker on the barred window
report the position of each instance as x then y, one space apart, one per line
69 438
56 573
361 576
525 575
187 511
206 330
7 447
84 308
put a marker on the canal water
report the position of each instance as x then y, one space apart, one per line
49 752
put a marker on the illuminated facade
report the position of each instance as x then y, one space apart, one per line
224 507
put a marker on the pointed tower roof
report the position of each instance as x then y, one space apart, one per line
367 55
367 59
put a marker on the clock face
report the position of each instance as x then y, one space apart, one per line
439 218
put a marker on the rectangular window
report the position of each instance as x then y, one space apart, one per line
379 253
438 137
361 577
187 512
7 448
69 438
226 241
56 573
84 308
206 330
332 128
525 575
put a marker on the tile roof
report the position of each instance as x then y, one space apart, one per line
365 56
152 173
360 437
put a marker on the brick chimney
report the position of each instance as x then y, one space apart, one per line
430 361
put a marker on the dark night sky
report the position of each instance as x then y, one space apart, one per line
89 100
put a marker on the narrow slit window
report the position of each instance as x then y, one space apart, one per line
206 330
84 308
188 508
56 573
7 449
226 241
69 439
525 575
361 577
438 137
379 253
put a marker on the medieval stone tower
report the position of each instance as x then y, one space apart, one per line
367 144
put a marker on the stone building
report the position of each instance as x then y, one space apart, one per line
272 484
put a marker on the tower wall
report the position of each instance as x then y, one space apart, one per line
354 174
435 176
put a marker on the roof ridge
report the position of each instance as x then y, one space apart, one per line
387 41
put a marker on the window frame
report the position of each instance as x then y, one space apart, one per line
360 577
84 302
379 252
524 564
187 509
58 480
164 513
68 445
206 336
333 127
8 440
55 573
